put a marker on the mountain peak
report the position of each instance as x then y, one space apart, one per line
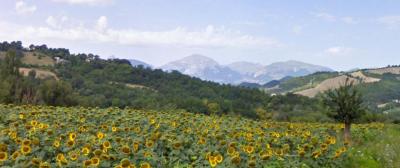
198 59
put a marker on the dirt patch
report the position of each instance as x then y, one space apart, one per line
41 74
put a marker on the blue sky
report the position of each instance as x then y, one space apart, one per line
341 34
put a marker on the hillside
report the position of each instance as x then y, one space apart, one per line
379 86
88 80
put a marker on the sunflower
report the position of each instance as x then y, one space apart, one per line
95 161
106 144
279 152
114 129
105 156
212 161
125 162
219 158
324 147
34 123
3 148
343 149
316 154
21 116
44 165
85 151
152 121
301 152
87 163
147 154
137 130
25 149
177 145
232 144
36 161
231 151
97 152
252 163
135 146
72 136
61 158
26 142
249 149
337 154
70 143
145 165
41 126
266 155
73 156
100 135
15 155
3 156
331 140
35 141
236 160
126 150
149 143
201 141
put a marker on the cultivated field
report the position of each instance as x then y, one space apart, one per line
33 136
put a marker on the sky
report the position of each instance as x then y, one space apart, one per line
340 34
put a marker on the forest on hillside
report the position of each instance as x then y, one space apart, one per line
90 81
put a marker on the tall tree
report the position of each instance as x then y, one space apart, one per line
10 76
346 103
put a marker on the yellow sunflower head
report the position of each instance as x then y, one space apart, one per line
126 150
3 156
25 149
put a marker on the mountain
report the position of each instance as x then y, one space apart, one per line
135 63
245 68
238 72
204 68
278 70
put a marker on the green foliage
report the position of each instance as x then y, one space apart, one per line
345 102
376 149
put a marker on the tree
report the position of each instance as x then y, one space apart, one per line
9 77
347 104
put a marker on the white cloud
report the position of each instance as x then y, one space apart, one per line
57 22
338 50
101 23
22 8
51 21
209 36
390 21
85 2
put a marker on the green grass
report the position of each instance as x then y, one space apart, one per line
379 150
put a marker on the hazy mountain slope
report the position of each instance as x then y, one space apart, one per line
289 68
245 68
239 72
135 62
205 68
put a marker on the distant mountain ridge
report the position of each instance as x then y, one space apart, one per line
135 63
240 72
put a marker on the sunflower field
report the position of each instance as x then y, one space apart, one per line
42 136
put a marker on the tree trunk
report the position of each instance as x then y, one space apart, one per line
347 133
